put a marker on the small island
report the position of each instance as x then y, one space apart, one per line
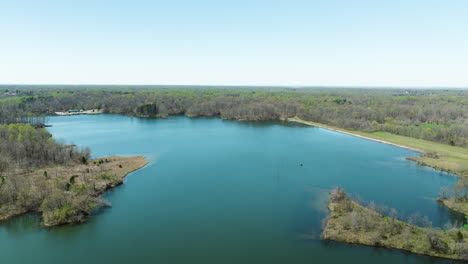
350 222
65 194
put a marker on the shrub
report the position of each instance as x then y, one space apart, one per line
83 160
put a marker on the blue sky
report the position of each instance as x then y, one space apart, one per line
301 43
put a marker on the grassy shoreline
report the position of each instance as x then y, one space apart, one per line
460 207
439 156
352 223
352 133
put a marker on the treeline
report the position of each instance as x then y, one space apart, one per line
435 115
15 113
24 148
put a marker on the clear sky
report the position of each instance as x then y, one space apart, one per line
236 42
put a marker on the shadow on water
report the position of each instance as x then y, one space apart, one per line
249 123
23 224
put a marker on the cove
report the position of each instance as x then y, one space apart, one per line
219 191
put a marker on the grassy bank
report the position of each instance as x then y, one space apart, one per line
455 205
352 223
439 156
65 194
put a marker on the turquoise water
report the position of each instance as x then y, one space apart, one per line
219 191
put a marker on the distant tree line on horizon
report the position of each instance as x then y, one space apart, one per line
435 115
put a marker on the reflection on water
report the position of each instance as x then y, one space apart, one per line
21 225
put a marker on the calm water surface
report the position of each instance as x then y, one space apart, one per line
227 192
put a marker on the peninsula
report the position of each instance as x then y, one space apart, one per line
65 194
352 223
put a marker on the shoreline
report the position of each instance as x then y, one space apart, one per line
78 192
297 120
80 112
459 207
352 223
442 163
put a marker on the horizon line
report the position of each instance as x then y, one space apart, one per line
248 85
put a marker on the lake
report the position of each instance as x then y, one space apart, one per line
219 191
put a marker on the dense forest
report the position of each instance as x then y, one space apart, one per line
435 115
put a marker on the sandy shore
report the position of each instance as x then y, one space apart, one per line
352 134
84 112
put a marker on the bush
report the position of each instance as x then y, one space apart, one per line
437 243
